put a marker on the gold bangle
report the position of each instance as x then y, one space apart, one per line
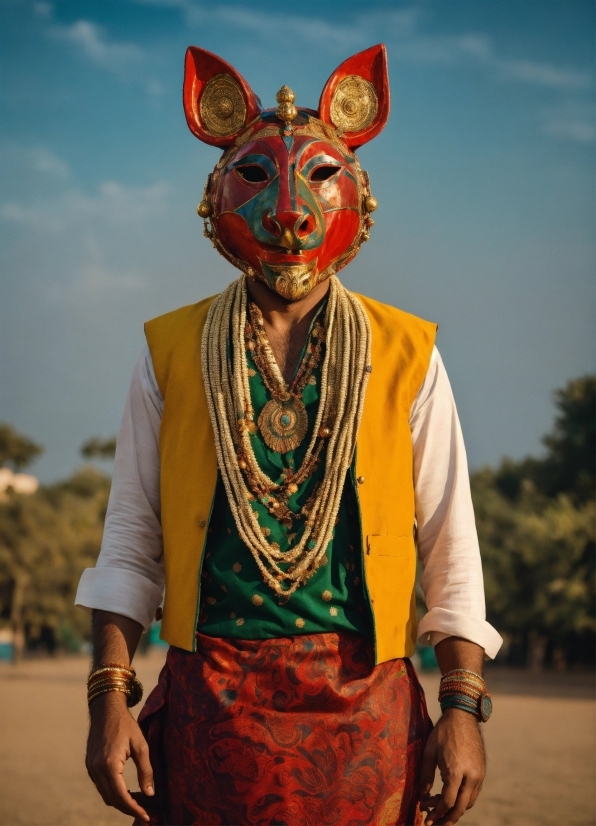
100 677
116 665
463 671
132 688
108 683
460 689
110 675
456 683
92 697
124 677
105 669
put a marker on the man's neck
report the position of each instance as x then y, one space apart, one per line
286 323
281 315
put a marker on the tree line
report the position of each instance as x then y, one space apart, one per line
535 521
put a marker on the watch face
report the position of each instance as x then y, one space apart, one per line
485 707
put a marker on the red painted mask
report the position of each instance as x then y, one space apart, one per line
287 203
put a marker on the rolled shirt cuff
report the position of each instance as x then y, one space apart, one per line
441 623
120 591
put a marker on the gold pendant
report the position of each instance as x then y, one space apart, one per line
283 424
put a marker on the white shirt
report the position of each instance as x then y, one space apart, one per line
129 576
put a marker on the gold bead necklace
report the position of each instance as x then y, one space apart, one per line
343 386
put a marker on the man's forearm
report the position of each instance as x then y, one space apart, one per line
115 638
454 652
454 746
114 735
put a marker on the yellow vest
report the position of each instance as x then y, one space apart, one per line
401 350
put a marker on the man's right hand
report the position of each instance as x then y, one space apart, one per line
114 736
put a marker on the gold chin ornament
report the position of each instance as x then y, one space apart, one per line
291 281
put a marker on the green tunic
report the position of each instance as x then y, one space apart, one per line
235 602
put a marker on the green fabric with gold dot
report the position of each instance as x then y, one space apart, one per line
235 602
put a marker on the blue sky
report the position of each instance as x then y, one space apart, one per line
484 176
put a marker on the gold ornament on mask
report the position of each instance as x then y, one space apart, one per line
291 281
286 111
354 104
222 106
204 209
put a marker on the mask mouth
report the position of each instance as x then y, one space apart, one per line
291 281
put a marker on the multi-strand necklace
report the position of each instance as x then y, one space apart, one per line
283 422
344 378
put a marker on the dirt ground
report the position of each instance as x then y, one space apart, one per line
540 742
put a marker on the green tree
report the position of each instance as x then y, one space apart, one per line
568 466
99 448
46 540
536 528
15 449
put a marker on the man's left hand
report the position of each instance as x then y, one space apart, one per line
455 746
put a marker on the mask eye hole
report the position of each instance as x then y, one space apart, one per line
323 173
252 173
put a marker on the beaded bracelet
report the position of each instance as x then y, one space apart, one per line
466 691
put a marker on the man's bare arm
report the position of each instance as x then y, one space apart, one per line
455 745
114 734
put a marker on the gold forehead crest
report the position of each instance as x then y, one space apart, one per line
286 111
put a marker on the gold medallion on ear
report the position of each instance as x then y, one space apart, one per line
222 106
354 104
218 102
355 99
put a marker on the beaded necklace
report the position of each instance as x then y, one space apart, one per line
283 421
344 377
279 435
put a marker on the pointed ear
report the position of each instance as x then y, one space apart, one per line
218 102
356 97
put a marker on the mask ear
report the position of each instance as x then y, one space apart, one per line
356 97
218 102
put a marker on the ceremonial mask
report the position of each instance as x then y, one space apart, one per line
287 203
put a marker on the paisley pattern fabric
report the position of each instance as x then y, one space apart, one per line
294 731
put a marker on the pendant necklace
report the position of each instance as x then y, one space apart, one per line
283 421
344 376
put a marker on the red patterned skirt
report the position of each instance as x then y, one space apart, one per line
295 731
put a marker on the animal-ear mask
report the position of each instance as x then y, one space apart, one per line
287 203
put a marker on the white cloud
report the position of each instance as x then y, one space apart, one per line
290 26
36 159
83 246
402 28
94 43
43 9
544 74
154 88
113 205
43 160
571 121
93 277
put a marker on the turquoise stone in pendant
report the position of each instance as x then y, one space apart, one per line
285 420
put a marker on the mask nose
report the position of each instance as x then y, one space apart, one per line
291 229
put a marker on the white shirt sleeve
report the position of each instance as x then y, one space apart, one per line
452 580
129 576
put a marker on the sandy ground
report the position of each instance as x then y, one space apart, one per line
540 741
